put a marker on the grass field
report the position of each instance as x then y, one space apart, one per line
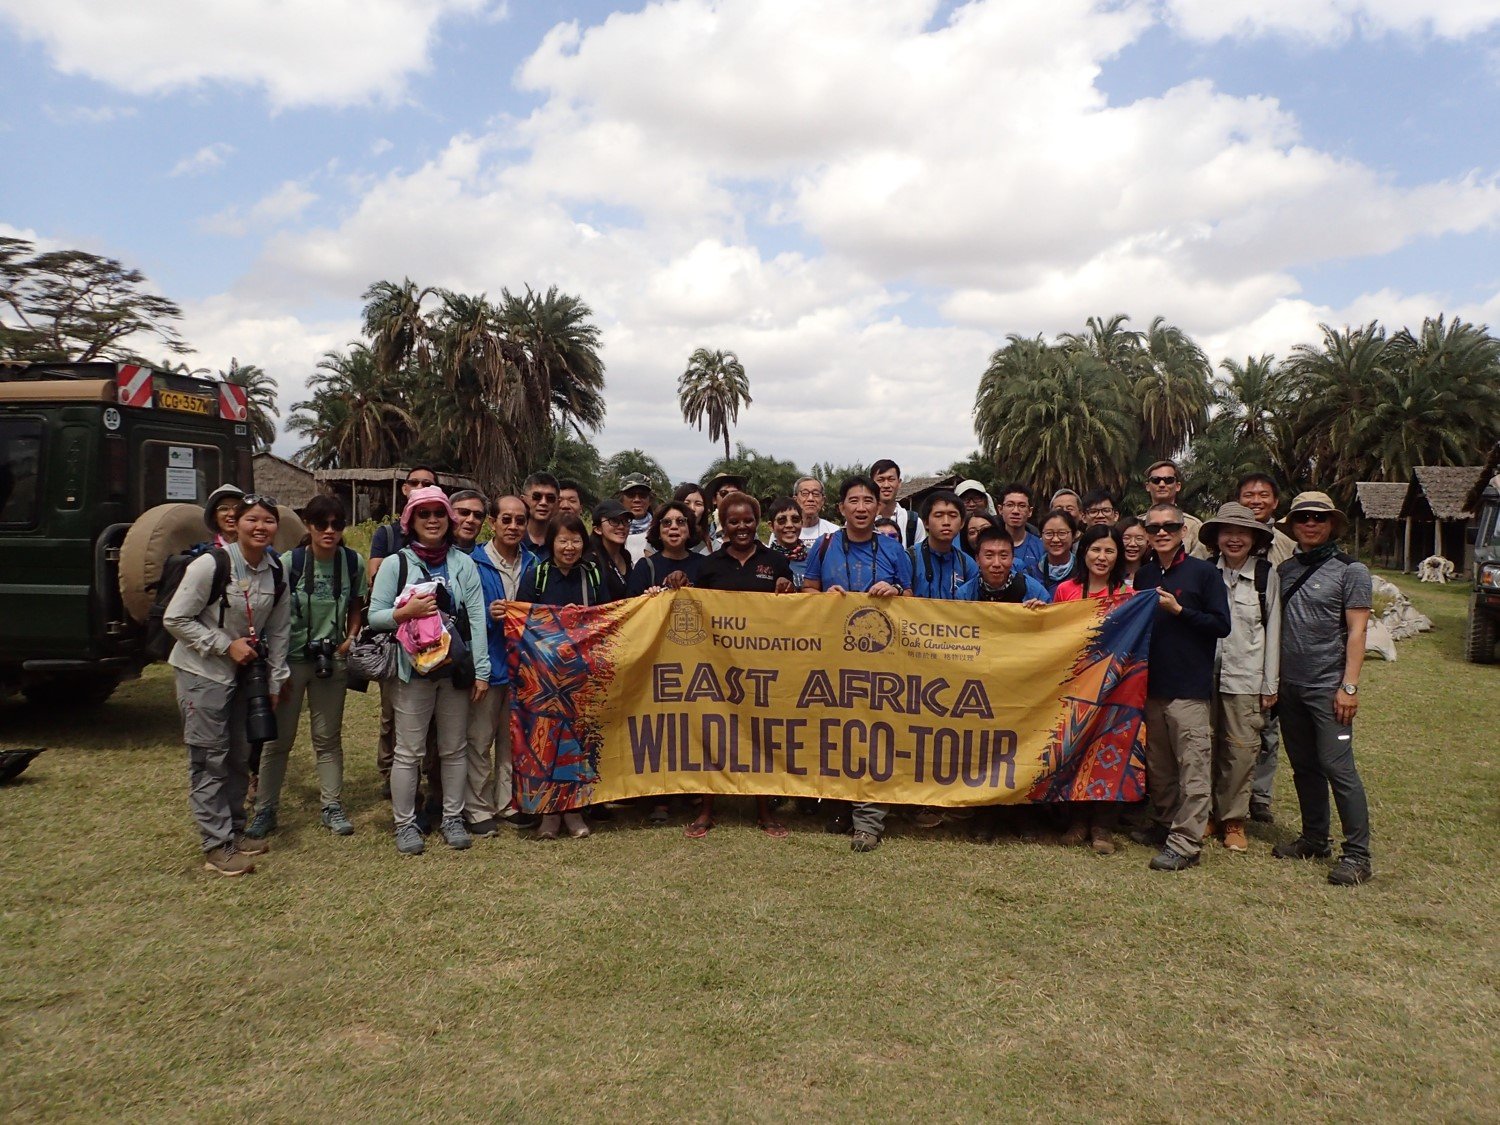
641 976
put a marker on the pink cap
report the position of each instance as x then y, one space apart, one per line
432 494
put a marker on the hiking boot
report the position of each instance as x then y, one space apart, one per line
573 822
1169 859
1151 836
227 860
454 833
335 821
1102 840
927 818
409 841
249 845
263 824
1301 848
864 842
484 829
1076 834
1350 872
1234 836
1262 814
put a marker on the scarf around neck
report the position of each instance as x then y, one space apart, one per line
432 556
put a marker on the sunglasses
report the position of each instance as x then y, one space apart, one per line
1163 528
539 497
324 525
677 522
1309 517
430 513
789 520
252 498
469 513
415 483
615 519
1162 480
511 521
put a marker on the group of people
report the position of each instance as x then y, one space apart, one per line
1259 636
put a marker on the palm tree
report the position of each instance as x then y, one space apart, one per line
395 324
1332 392
260 394
712 390
562 345
496 396
628 461
1173 386
576 458
1055 416
356 415
1444 405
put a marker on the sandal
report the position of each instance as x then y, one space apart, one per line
772 828
699 829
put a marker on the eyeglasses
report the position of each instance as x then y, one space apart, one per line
1309 517
676 521
1163 528
415 482
430 513
1101 511
511 521
225 509
615 519
469 513
1015 505
324 525
548 497
809 492
1060 534
1162 480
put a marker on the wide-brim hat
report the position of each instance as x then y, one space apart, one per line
633 480
1233 514
1314 502
213 502
719 480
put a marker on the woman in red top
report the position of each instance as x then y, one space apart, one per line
1099 573
1100 568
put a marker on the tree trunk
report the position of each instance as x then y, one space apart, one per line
726 445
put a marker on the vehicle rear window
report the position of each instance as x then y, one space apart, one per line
175 472
20 472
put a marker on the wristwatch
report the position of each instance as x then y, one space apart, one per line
1349 689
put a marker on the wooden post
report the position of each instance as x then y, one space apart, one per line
1406 548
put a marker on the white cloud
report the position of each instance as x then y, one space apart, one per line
281 206
206 159
380 146
1327 21
328 52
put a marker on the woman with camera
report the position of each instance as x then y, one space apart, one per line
445 689
327 587
231 618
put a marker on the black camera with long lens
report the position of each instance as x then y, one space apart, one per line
321 654
260 716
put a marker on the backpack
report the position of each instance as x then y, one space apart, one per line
156 642
961 563
350 566
591 579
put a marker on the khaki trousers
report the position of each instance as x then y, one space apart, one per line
1238 721
325 698
488 793
1178 755
419 704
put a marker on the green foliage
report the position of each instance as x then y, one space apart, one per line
712 390
976 466
260 393
575 458
766 477
832 477
628 461
69 305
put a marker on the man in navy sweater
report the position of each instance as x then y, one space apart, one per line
1192 614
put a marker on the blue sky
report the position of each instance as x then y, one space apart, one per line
861 199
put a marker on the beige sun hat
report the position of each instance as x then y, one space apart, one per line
1233 514
1314 502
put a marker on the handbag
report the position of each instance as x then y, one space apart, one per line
372 656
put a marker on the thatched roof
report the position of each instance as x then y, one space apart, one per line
1381 500
289 482
919 487
1440 492
1491 472
450 481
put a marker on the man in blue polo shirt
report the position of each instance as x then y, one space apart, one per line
1192 613
938 568
1015 511
856 560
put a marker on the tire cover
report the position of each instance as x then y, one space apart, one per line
167 529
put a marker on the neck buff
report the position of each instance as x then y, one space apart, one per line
432 556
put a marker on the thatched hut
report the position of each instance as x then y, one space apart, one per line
289 482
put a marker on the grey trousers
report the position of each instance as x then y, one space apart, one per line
417 703
869 817
1238 721
325 699
213 727
385 748
1178 770
1265 765
488 792
1321 752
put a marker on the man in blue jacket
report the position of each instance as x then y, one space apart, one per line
1192 614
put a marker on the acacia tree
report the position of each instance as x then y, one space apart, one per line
70 305
712 390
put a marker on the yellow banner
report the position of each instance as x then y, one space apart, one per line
903 700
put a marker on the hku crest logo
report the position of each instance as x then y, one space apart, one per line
686 625
868 630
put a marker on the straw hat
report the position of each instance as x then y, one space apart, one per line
1234 515
1315 502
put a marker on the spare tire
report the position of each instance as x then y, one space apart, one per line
166 530
160 533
